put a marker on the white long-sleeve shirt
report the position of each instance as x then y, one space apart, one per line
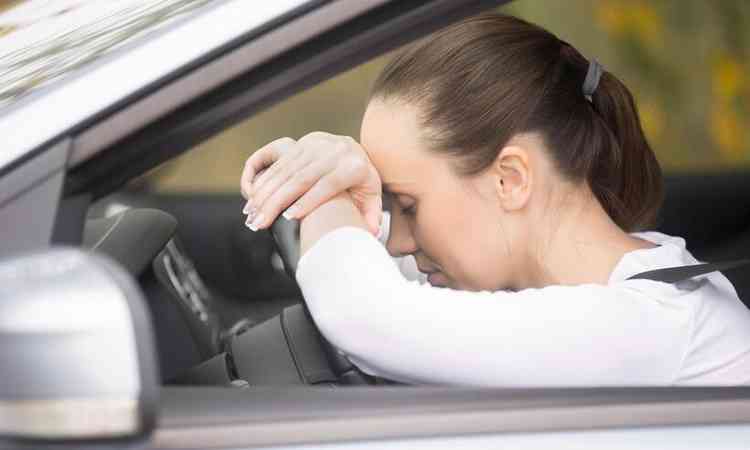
628 332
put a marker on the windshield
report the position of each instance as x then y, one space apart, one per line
41 41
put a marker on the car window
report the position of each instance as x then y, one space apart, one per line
686 62
41 41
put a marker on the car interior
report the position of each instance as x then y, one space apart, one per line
227 310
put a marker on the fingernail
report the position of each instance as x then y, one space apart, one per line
290 212
247 208
255 223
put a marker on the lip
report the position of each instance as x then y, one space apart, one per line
436 279
427 269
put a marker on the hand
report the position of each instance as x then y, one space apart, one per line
297 177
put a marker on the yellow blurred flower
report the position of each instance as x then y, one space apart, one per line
728 131
652 119
636 18
611 17
729 123
729 77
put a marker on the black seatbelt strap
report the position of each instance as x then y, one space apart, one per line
680 273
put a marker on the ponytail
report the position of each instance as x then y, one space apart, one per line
628 183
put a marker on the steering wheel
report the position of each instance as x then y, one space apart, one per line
286 237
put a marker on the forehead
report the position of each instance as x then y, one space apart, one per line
391 136
390 122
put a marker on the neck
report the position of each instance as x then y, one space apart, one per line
577 244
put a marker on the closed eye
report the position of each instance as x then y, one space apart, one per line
395 198
410 211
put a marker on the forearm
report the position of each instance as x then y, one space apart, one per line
338 212
536 337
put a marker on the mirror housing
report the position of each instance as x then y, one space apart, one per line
77 352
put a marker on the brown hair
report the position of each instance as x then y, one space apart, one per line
483 80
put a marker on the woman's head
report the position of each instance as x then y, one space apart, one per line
485 127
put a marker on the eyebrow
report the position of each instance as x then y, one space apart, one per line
391 186
396 195
388 187
391 189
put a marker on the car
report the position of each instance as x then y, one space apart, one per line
119 320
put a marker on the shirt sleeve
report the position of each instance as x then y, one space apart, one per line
585 335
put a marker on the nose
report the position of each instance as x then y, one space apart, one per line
401 240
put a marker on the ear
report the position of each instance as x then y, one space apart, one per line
513 177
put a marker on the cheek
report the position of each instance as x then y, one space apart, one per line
462 236
437 229
446 232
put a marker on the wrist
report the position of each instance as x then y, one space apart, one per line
339 211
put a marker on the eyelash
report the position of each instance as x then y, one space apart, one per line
410 211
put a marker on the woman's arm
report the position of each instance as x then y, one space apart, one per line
338 212
559 335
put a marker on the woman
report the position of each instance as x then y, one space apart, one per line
519 176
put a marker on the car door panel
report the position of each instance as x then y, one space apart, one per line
299 417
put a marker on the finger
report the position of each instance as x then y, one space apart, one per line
304 166
249 209
279 173
287 194
258 161
254 164
347 173
286 168
373 213
290 155
325 189
285 148
261 159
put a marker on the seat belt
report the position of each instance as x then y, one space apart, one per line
681 273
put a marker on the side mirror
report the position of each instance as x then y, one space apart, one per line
77 354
